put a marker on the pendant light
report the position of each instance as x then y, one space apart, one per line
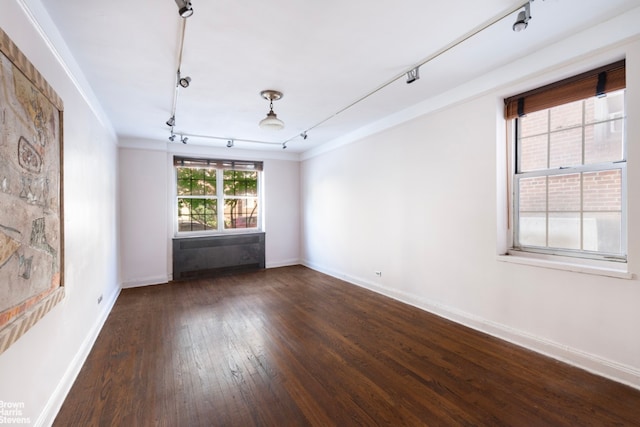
271 122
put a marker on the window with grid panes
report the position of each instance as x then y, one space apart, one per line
569 181
217 195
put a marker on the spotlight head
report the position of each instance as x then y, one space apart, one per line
523 18
184 139
304 135
172 138
413 75
184 8
184 82
230 143
521 23
284 145
172 121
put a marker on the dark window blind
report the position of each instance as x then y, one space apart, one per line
596 82
242 165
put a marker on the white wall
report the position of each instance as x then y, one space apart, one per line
421 202
146 207
40 367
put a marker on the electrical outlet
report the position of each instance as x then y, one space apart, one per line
100 299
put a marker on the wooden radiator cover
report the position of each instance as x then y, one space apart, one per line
207 256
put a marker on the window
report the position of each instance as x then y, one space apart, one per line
217 195
569 180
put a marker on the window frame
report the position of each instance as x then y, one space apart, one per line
220 166
514 109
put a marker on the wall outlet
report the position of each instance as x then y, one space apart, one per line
379 273
99 299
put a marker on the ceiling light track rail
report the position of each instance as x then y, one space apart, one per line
179 80
226 139
414 69
412 74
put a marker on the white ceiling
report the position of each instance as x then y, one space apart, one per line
323 56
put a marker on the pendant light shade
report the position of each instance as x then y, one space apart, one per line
271 122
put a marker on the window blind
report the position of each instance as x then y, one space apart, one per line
592 83
244 165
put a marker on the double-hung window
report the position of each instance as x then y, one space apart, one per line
217 195
569 173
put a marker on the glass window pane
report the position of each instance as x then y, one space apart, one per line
533 123
210 182
564 193
604 108
565 148
184 181
240 183
602 231
603 142
602 190
564 230
533 194
533 229
533 153
567 115
197 214
241 213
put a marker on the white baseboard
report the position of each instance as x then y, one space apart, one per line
146 281
51 409
597 365
283 263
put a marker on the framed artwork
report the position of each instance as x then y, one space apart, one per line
31 221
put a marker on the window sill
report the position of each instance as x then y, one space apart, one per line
603 268
232 232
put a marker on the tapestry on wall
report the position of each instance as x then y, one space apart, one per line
31 239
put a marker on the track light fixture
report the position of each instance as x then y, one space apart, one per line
230 143
184 81
523 18
284 145
172 121
184 8
272 121
184 139
304 135
172 138
413 75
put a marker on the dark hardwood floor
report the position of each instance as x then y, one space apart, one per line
293 347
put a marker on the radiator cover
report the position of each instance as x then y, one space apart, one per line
212 255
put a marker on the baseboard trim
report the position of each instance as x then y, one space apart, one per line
283 263
51 409
146 281
596 365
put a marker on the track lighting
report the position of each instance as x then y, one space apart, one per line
184 81
184 139
413 75
284 145
523 18
230 143
172 138
271 121
172 121
184 8
304 135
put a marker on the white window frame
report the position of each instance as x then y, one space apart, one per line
220 198
597 257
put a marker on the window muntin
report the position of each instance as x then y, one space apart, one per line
570 177
217 195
